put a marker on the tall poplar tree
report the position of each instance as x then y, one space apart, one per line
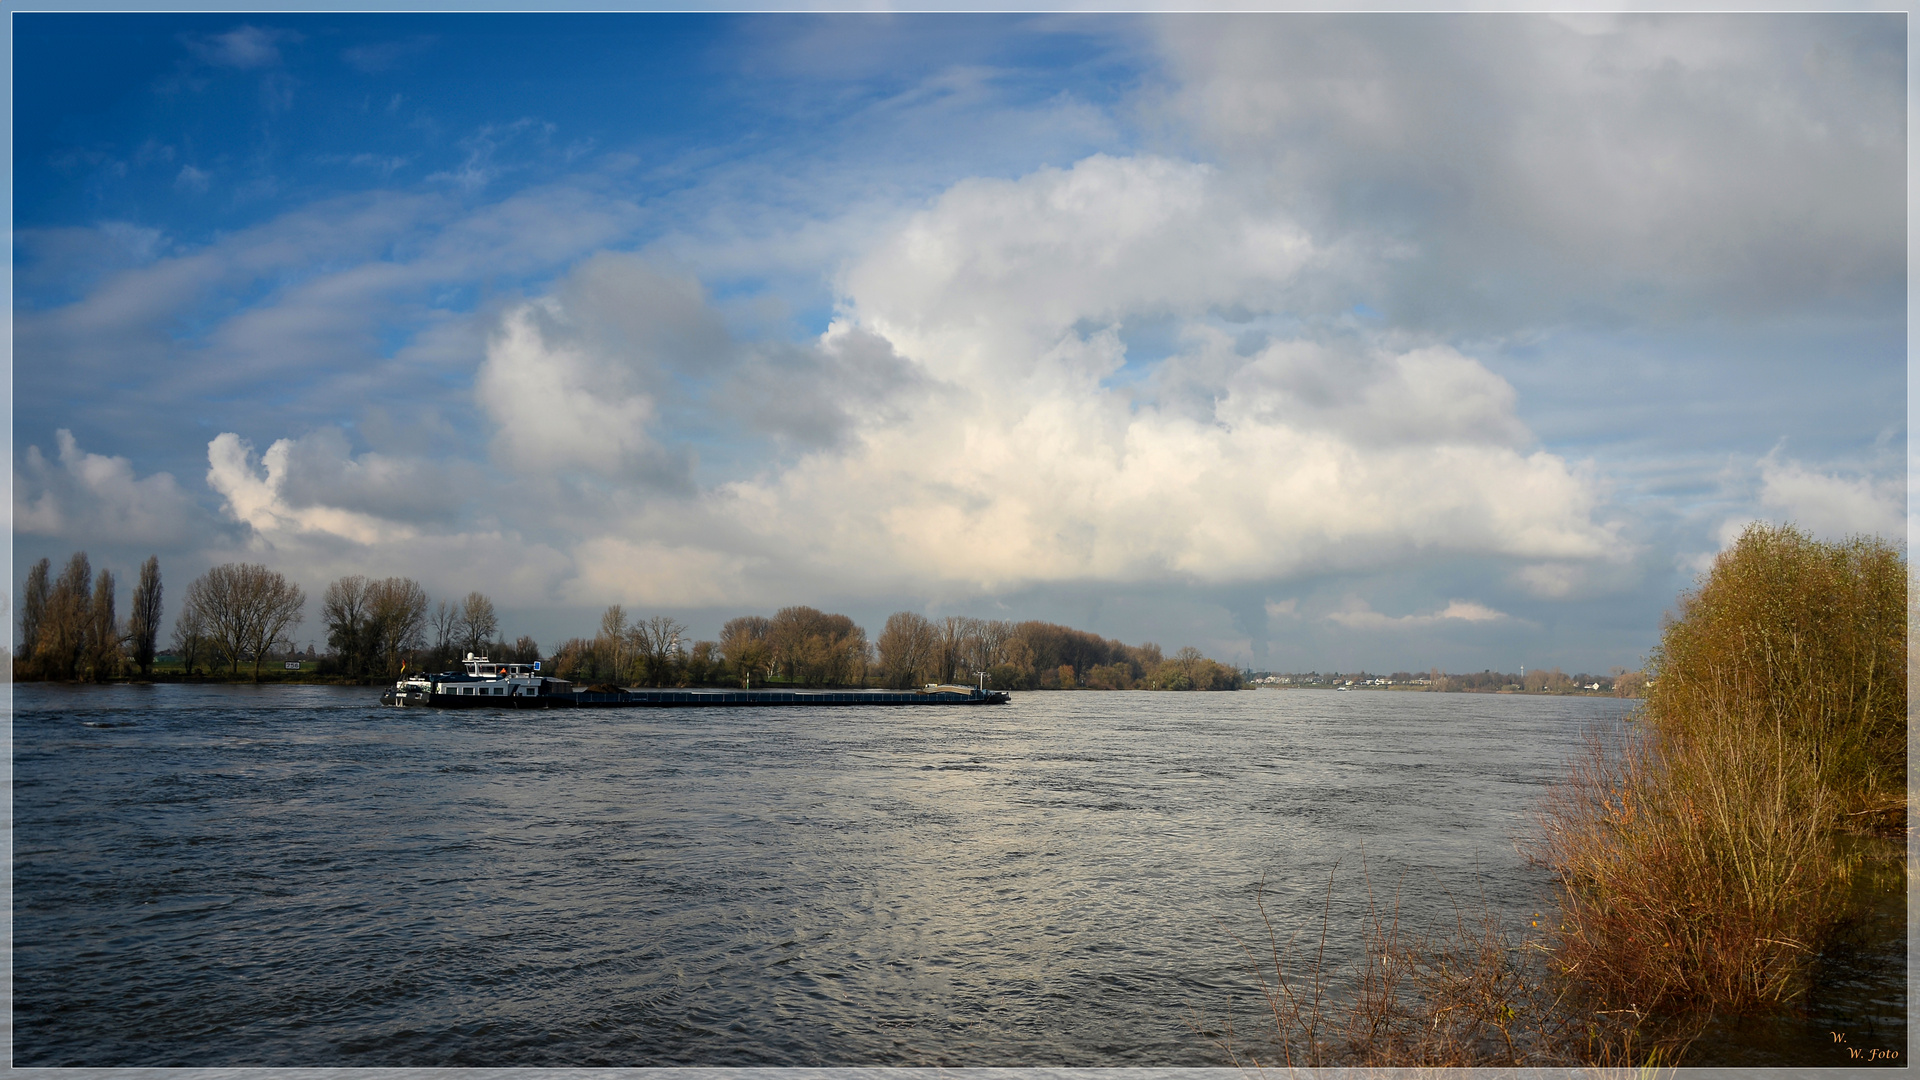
143 616
63 631
103 631
33 613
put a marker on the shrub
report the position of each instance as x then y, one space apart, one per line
1805 636
1696 860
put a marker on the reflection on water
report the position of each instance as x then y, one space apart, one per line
282 876
1857 1015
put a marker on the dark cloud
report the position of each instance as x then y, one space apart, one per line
1523 171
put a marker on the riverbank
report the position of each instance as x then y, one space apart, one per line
1430 690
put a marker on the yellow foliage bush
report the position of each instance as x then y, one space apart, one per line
1696 861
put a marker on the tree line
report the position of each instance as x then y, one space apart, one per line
68 627
379 627
69 630
240 613
805 646
1033 655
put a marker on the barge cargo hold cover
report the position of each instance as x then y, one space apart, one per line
685 699
485 684
557 698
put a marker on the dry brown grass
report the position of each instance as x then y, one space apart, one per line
1469 994
1697 875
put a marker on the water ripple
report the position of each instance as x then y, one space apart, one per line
235 876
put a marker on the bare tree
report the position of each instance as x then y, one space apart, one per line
63 630
246 608
613 640
189 634
478 623
909 649
523 651
33 613
446 631
700 662
343 607
953 634
143 616
1188 660
660 642
396 620
103 631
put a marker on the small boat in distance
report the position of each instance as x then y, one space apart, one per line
485 684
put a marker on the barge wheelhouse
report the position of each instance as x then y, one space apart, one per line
482 682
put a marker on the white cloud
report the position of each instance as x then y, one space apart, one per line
557 404
999 271
1552 579
242 47
261 503
613 569
320 469
1029 461
92 497
1831 505
1359 616
482 164
975 418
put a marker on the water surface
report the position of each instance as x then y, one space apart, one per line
216 876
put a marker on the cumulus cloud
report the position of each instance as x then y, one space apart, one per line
999 270
1360 616
262 502
814 397
1833 504
574 381
555 405
979 415
1029 461
92 497
321 469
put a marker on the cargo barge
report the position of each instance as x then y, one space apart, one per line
484 684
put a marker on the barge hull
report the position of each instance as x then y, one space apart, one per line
696 699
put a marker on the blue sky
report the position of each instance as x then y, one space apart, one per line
1315 341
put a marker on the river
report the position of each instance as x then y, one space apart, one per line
231 875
